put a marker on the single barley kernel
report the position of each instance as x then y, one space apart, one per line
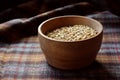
72 33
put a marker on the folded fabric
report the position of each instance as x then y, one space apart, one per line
25 60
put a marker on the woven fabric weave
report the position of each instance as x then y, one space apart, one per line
25 60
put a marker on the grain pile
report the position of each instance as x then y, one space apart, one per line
72 33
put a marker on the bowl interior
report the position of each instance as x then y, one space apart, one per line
61 21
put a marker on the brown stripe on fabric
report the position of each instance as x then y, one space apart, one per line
31 39
100 57
40 57
1 56
26 57
6 57
111 38
108 59
27 63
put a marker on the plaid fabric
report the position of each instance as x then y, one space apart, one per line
25 61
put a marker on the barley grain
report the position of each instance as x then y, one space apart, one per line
72 33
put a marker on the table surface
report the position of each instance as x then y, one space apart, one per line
25 60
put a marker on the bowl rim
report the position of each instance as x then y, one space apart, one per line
85 17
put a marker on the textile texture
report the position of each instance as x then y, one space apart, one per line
25 61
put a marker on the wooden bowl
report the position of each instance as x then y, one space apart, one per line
72 54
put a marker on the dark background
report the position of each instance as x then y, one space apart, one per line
20 18
10 9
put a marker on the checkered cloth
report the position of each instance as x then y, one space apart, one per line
25 60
